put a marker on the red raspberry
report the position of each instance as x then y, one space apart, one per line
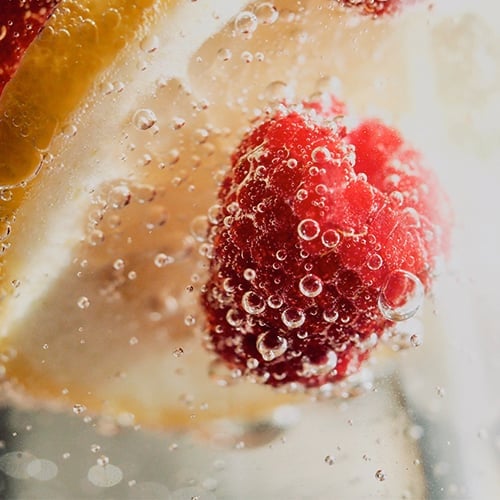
375 7
322 240
20 22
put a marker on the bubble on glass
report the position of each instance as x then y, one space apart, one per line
266 13
245 23
271 346
253 303
329 460
162 259
105 476
321 154
42 469
224 54
150 44
278 91
83 302
374 262
380 475
78 409
310 285
274 301
144 119
308 229
401 296
293 317
15 464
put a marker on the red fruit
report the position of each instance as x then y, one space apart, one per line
324 238
375 7
20 22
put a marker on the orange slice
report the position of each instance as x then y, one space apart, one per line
114 133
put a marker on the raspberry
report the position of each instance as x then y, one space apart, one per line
375 7
324 238
20 22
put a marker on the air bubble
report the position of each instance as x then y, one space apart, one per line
178 123
234 318
310 285
83 302
144 119
278 91
330 315
401 296
252 363
415 340
162 260
308 229
224 54
266 13
119 197
329 460
274 301
321 154
380 475
293 317
271 346
78 409
253 303
249 274
245 23
198 227
374 262
150 44
105 476
5 230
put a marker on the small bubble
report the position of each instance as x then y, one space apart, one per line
401 296
321 154
252 363
95 238
234 317
416 340
224 54
189 320
249 274
308 229
178 123
278 91
310 285
274 301
78 409
118 264
95 448
104 476
293 317
271 346
83 302
374 262
5 230
119 197
150 44
133 341
66 455
266 13
329 460
380 475
246 56
161 260
245 23
253 303
440 391
177 353
144 119
330 238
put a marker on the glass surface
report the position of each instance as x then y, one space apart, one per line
423 422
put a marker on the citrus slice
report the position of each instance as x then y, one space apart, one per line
114 133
